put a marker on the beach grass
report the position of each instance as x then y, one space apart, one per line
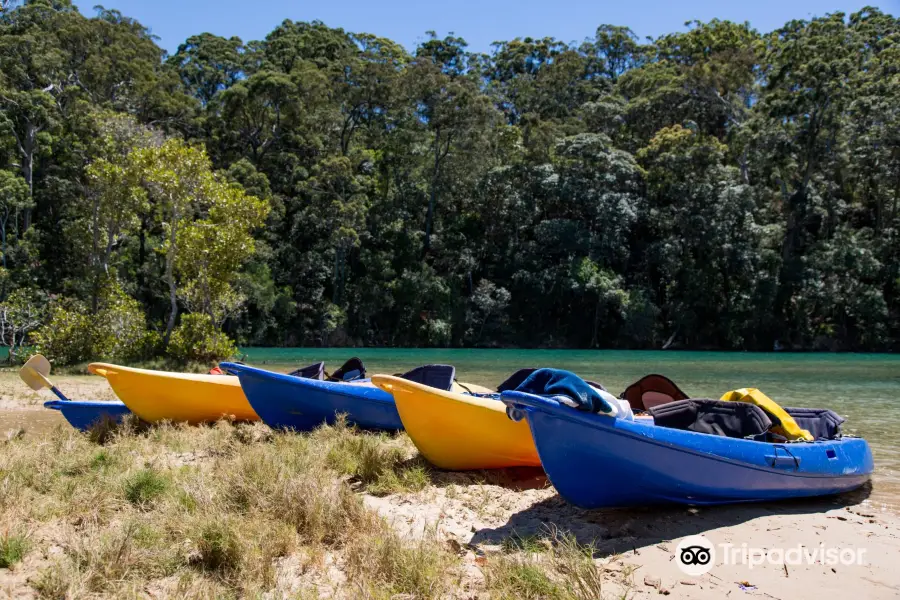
552 566
234 510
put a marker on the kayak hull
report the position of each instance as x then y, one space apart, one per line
460 432
84 414
186 397
597 461
288 402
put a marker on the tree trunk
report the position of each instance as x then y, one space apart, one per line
28 148
3 235
170 279
432 199
142 254
211 313
791 249
670 341
95 250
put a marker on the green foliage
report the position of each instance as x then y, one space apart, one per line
14 198
116 332
197 339
718 187
120 328
67 337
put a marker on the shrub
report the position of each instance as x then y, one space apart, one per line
197 339
437 332
67 337
118 331
120 328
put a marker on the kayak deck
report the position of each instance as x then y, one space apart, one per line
188 397
456 431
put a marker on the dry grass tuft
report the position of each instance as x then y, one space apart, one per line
218 548
532 569
145 486
386 566
382 464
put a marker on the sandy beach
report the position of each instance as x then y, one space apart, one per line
483 518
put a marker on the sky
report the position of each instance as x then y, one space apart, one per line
480 22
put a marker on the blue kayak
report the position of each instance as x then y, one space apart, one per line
84 414
598 461
285 401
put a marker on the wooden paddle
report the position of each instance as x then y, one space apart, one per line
36 372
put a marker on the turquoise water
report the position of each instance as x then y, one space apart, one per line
864 388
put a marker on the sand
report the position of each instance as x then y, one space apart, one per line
476 512
637 547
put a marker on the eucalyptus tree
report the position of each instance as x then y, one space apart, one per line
208 64
450 107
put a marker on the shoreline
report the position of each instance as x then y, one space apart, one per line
22 407
243 350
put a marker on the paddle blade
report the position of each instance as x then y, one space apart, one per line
35 372
33 378
39 363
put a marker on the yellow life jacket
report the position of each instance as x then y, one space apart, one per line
783 424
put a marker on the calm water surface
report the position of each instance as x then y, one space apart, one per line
864 388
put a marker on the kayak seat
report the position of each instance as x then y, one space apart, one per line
822 423
652 390
715 417
316 371
352 369
515 380
783 424
437 376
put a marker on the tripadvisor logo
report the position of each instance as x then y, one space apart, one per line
695 555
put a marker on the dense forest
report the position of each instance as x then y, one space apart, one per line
714 188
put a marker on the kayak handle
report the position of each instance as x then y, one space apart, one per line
784 461
231 368
523 401
514 413
98 371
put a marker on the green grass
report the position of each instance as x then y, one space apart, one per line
13 547
533 544
102 460
145 486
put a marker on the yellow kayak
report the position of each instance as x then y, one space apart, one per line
459 432
161 395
